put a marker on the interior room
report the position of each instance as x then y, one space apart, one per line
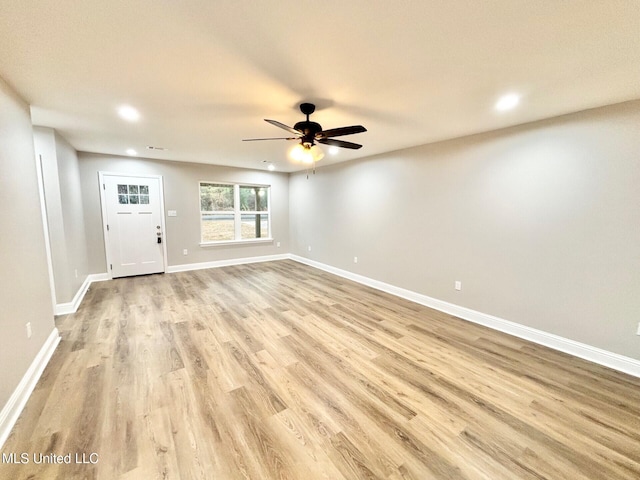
320 241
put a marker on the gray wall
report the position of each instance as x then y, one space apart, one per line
25 294
65 214
181 194
73 209
540 223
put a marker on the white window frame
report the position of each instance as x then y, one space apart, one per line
237 215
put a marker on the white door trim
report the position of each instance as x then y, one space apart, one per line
103 208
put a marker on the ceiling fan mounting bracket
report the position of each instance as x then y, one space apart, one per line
307 108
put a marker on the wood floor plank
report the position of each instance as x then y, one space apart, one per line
281 371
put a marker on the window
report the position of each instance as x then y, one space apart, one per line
233 212
133 194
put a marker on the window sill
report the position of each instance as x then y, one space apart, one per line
226 243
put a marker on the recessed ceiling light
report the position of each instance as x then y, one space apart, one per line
271 167
507 102
131 151
129 113
334 150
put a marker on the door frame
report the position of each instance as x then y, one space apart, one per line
103 208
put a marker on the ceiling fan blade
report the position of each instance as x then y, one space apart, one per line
338 132
339 143
273 138
283 126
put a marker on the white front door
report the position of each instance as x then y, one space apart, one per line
133 224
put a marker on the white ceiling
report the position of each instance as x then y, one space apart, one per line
204 74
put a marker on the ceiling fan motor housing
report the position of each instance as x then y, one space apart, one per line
309 130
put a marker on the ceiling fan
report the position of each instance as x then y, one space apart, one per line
309 133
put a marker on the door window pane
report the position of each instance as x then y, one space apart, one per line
133 194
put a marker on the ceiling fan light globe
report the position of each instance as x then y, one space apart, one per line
297 153
316 153
305 154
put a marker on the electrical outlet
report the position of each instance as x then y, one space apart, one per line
185 252
29 332
458 285
278 244
76 271
309 248
355 259
638 331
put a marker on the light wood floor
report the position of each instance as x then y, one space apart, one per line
281 371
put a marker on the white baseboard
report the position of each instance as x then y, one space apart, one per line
11 411
72 306
593 354
226 263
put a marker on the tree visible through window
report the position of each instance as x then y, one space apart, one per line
234 212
